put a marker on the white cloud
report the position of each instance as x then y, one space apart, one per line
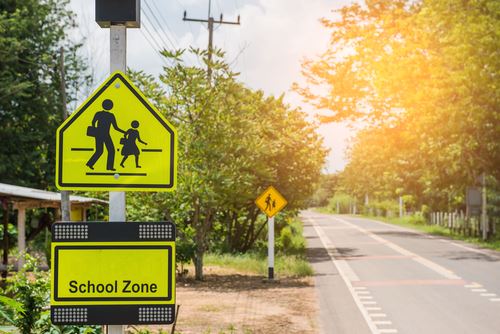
267 48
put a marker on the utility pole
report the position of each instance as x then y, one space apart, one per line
484 212
65 200
210 21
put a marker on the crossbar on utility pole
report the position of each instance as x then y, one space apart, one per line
211 21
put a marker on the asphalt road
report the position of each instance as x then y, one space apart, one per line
373 277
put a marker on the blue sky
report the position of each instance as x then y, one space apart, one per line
267 48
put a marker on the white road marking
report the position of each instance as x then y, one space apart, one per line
383 331
359 288
367 302
494 299
382 322
425 262
488 294
427 236
371 308
362 292
343 268
473 285
378 315
365 297
478 290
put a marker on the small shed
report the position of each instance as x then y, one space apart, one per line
22 199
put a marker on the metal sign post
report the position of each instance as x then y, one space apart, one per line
118 62
270 202
270 249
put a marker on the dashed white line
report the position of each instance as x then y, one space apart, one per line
347 275
478 290
488 294
494 299
365 297
373 308
378 315
382 322
366 302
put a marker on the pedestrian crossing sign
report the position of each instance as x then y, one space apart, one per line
116 140
271 202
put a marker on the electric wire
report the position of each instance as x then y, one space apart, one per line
158 31
155 42
160 28
165 21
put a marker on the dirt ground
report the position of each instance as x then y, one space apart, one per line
228 302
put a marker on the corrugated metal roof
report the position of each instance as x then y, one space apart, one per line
9 190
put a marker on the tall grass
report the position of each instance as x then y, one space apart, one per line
254 263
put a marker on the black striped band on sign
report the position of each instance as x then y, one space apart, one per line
113 315
112 231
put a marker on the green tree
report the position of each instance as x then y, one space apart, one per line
423 78
31 33
233 142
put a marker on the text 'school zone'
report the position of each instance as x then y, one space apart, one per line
124 286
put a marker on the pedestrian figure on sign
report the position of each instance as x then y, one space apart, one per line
268 203
130 145
100 130
274 204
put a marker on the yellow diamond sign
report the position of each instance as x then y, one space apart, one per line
116 140
271 202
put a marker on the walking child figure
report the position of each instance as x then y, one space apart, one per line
130 145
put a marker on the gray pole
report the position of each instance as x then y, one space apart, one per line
118 62
484 212
400 206
65 200
210 46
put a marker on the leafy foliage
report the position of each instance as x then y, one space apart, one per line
31 33
234 142
29 289
423 77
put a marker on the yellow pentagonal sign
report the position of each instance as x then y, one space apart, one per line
116 140
271 202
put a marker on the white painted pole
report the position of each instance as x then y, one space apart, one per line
270 248
118 62
21 236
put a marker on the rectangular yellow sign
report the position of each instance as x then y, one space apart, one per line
122 273
113 273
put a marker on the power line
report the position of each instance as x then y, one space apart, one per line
155 42
159 30
166 23
171 32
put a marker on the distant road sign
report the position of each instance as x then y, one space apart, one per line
113 273
271 202
116 140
